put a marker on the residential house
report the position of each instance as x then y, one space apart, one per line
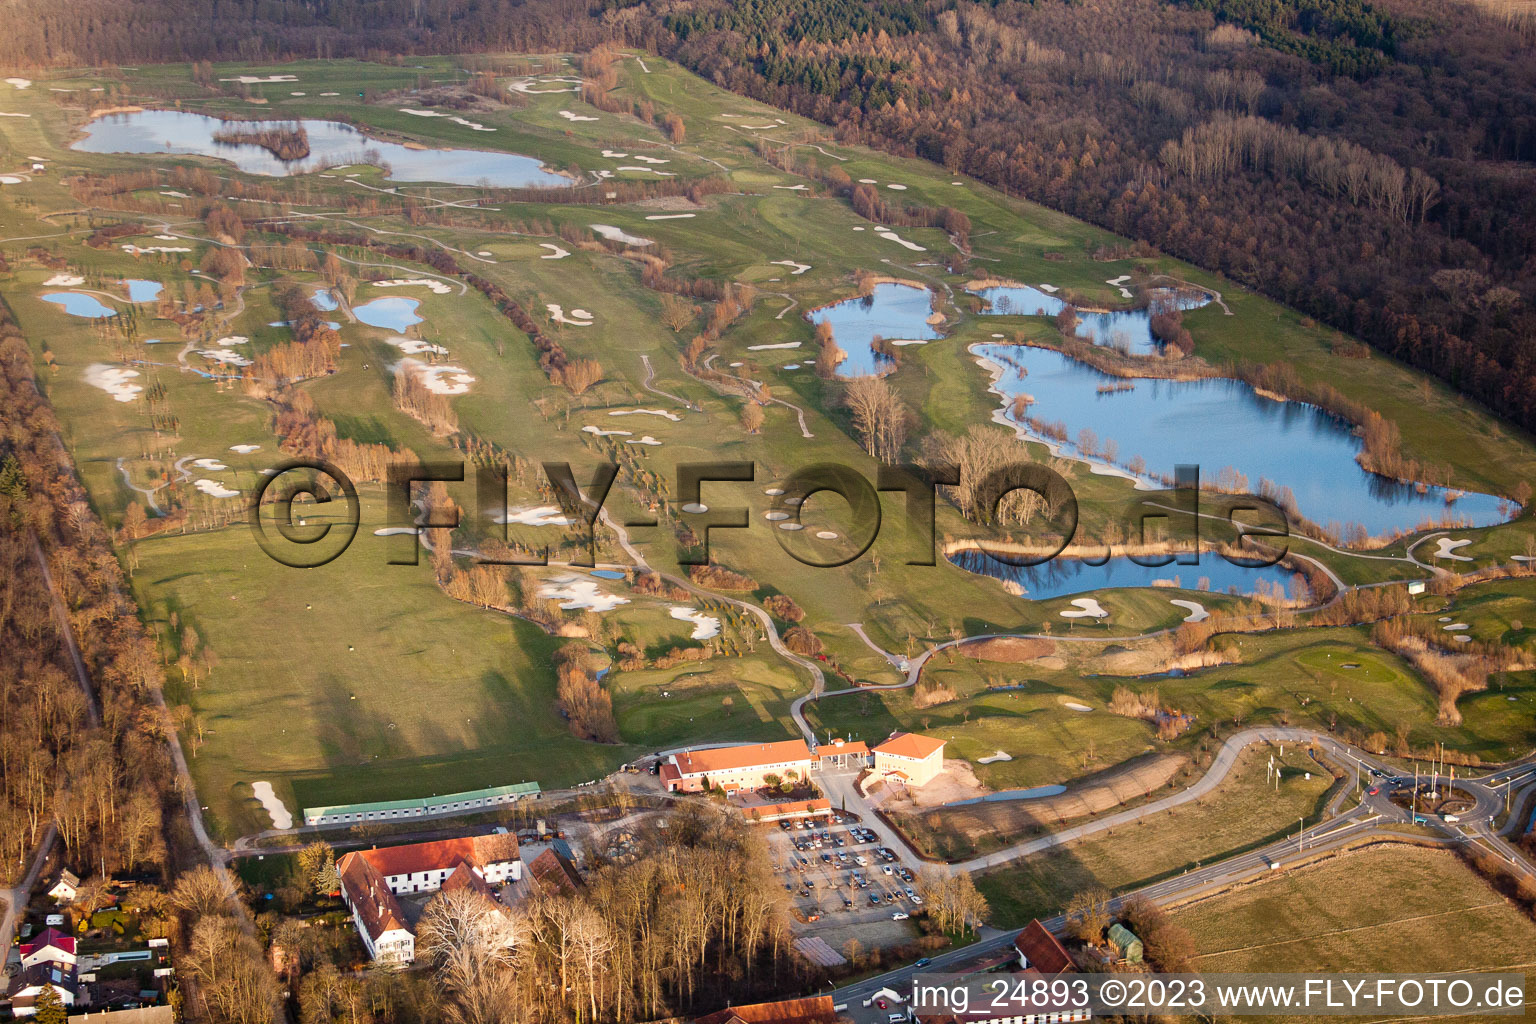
813 1010
66 888
1041 955
732 768
914 759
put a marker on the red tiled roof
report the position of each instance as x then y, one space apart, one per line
465 877
368 894
790 807
846 747
910 744
1042 950
441 854
669 773
49 937
814 1010
750 755
551 871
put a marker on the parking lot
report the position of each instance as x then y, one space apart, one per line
838 872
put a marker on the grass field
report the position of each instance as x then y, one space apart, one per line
360 680
1242 814
1389 909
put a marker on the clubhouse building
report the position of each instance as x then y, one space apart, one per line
732 768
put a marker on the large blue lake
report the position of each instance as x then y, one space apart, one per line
1217 423
330 143
80 304
391 312
893 312
1128 330
1062 577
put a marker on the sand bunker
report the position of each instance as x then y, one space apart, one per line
891 236
766 348
1087 608
258 80
868 181
9 179
612 155
614 234
534 515
245 449
704 626
280 815
7 113
695 507
798 268
579 593
139 250
212 465
646 440
214 489
898 188
1455 627
650 159
114 380
664 414
415 346
1075 706
555 252
775 517
63 281
569 116
793 188
1197 612
826 535
999 756
671 216
438 287
1048 288
440 380
397 531
557 314
224 356
600 432
1119 282
20 83
1445 547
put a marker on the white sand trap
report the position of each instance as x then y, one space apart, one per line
421 113
20 83
175 194
736 364
793 188
137 250
775 517
245 449
891 236
555 252
580 593
1075 706
651 159
225 356
441 380
397 531
1446 548
868 181
483 252
1087 608
859 228
415 346
610 154
704 626
557 314
533 515
614 234
212 465
896 187
330 94
63 281
280 815
791 366
214 489
999 756
645 170
1462 638
826 535
438 287
6 113
766 348
1456 627
1048 288
10 179
663 413
796 269
570 116
672 216
903 342
114 380
792 527
165 238
773 491
295 94
600 432
695 507
646 440
257 80
1523 558
1197 612
1119 282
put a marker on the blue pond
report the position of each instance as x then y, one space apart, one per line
80 304
1217 424
1128 330
330 143
323 300
143 291
893 312
1063 577
392 312
607 574
1013 794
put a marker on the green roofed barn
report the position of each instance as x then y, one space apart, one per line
420 807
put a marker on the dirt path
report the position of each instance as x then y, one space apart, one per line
650 375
